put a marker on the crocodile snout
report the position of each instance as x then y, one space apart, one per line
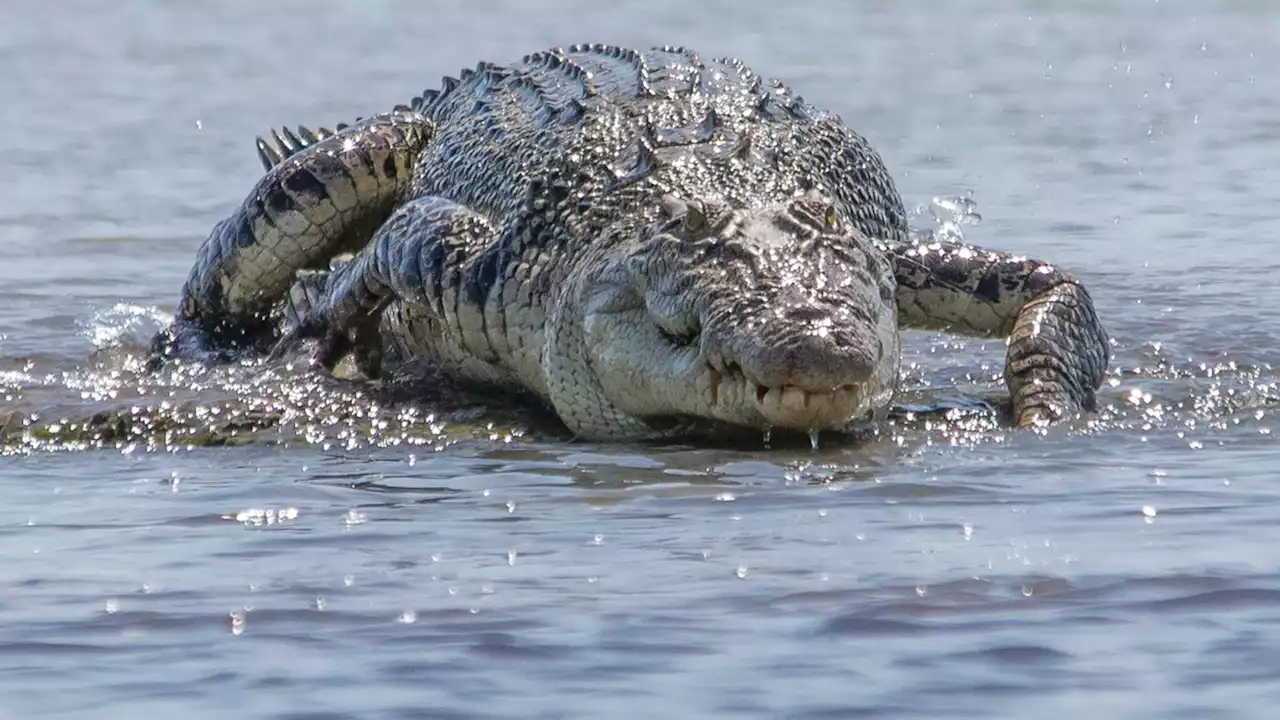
801 369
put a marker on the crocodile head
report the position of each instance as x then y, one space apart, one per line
780 316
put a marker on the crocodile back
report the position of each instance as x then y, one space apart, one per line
566 142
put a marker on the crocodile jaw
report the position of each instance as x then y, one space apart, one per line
643 382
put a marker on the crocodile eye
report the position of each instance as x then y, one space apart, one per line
831 218
679 328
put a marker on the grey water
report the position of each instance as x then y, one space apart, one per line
259 543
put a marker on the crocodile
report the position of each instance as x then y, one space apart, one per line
651 243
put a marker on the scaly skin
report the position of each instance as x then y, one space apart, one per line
303 212
649 242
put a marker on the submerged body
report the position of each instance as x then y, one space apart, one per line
648 241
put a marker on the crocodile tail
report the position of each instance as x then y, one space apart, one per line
285 143
288 143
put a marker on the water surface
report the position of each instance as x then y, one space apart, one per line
269 544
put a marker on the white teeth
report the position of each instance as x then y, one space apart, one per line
738 396
791 406
792 398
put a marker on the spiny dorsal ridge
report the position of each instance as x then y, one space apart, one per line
496 73
798 108
709 125
295 142
689 53
642 74
287 143
427 99
267 154
763 102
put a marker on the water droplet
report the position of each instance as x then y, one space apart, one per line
768 436
597 540
1148 512
813 438
511 557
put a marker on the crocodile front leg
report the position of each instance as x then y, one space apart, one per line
326 198
1057 348
432 253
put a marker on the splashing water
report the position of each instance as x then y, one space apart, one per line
123 324
949 215
952 393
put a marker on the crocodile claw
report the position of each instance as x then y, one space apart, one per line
362 340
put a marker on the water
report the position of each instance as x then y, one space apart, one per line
319 551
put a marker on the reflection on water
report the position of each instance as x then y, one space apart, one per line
259 540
